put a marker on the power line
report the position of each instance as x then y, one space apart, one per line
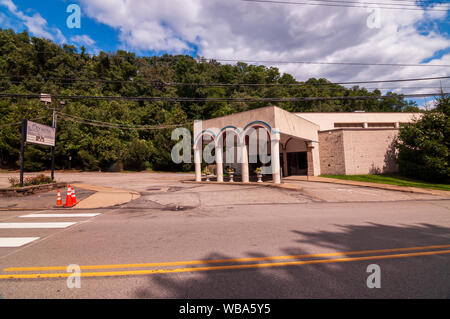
120 127
65 116
336 5
160 82
309 86
270 61
68 80
327 63
19 123
422 1
225 99
339 89
117 125
425 1
372 3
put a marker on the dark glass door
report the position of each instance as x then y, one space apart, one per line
297 163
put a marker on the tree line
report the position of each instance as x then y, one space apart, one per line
36 65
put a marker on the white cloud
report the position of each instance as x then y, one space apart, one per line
86 41
9 4
82 40
427 104
35 23
235 29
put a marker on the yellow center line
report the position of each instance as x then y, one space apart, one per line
218 261
229 267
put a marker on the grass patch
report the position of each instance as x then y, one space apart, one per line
392 180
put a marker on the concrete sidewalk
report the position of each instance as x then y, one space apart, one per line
88 196
105 196
40 201
372 185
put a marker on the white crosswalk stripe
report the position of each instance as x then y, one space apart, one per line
57 215
7 242
11 242
35 225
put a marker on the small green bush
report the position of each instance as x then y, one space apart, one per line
32 180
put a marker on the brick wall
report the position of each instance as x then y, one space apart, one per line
331 150
369 151
351 152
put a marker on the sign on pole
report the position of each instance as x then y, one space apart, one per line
46 98
40 134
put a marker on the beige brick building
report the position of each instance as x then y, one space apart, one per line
306 143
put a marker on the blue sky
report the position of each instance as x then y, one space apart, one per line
232 29
54 12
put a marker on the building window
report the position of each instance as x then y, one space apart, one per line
381 125
348 125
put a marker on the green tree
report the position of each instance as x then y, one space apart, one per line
424 146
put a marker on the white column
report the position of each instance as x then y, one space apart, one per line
244 163
285 164
275 157
219 163
198 164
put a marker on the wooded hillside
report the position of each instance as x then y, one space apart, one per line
34 65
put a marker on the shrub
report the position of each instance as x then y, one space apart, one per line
32 180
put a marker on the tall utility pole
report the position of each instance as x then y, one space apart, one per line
47 99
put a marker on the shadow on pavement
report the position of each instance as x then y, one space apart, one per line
412 277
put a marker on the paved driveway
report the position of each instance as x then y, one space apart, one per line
345 193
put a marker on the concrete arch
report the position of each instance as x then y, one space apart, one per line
242 149
203 133
256 124
229 128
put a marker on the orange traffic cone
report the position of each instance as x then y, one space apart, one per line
58 199
69 202
74 197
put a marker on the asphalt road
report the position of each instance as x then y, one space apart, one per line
339 240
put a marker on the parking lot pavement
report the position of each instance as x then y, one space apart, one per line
210 195
137 181
345 193
218 195
167 189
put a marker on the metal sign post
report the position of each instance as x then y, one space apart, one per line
53 147
22 149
